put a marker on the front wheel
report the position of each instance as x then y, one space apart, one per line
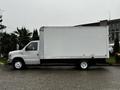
84 65
18 64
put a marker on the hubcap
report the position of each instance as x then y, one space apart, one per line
18 65
84 65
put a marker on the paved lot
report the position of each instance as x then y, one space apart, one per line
60 78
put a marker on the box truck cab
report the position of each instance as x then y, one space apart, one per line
28 55
81 46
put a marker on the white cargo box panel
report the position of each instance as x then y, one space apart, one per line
75 42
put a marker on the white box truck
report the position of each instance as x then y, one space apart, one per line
81 46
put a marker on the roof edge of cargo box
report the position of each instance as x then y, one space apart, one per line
42 28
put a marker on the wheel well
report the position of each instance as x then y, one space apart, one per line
18 58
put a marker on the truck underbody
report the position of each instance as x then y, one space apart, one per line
71 61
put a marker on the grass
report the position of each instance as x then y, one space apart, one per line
3 60
111 60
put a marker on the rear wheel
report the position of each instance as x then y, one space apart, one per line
18 64
84 65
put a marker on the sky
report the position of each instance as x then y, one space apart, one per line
33 14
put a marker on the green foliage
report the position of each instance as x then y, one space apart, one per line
111 60
35 35
116 46
23 36
1 26
8 43
3 60
1 18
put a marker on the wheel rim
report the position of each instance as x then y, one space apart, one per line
83 65
18 65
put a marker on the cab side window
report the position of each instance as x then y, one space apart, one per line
32 46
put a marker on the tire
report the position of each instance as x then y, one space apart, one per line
84 65
18 64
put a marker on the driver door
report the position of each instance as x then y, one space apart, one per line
31 53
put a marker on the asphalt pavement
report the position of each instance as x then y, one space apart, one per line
60 78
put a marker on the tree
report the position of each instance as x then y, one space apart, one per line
1 18
35 35
1 29
8 43
1 26
116 45
23 36
13 39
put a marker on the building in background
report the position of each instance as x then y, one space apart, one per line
114 27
